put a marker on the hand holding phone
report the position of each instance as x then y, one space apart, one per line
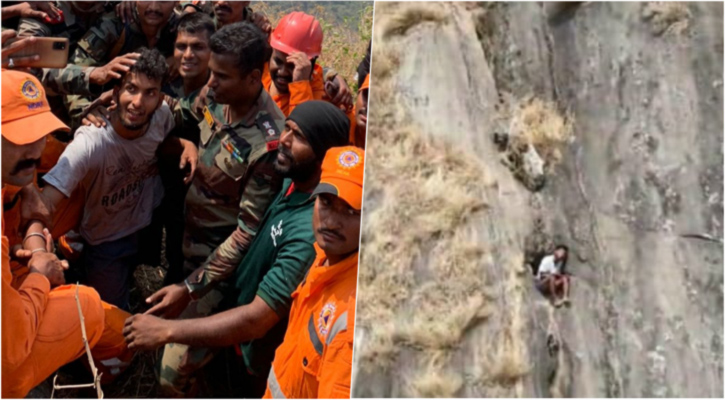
11 46
34 52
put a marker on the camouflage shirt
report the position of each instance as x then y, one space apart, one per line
110 38
75 24
72 80
208 8
186 116
234 184
106 40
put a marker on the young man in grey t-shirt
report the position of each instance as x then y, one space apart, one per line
115 168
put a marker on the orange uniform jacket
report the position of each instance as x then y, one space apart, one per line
315 358
41 327
300 92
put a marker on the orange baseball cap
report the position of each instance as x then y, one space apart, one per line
366 83
342 174
26 116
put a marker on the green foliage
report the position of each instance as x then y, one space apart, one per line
343 12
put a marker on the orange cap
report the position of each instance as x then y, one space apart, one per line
298 31
366 83
26 116
342 174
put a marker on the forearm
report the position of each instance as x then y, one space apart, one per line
220 265
11 11
238 325
39 207
71 80
235 247
34 241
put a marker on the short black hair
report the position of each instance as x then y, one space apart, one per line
363 69
150 63
565 260
244 41
194 23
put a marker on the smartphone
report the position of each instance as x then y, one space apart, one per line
53 52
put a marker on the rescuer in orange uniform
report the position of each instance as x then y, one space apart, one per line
315 358
40 323
293 76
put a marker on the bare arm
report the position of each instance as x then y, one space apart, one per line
40 206
238 325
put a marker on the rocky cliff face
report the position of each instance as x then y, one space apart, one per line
636 194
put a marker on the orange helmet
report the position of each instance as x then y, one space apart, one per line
298 31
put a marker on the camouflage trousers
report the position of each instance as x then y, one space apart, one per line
179 362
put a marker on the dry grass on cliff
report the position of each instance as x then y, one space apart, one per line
667 17
425 193
420 274
534 122
422 282
410 15
435 382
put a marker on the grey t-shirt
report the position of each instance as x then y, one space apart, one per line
119 176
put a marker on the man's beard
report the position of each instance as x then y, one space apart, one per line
297 171
135 127
281 89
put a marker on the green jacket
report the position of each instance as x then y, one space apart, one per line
276 263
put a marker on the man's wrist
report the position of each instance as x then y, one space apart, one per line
170 336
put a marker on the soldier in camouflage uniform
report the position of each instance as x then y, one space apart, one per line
228 12
78 17
110 38
222 183
235 178
192 55
224 12
277 260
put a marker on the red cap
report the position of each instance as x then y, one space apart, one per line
297 31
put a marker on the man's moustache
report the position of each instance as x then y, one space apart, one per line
26 164
331 232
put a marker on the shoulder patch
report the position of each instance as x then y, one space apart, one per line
207 117
266 124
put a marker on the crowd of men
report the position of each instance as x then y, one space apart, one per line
201 129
